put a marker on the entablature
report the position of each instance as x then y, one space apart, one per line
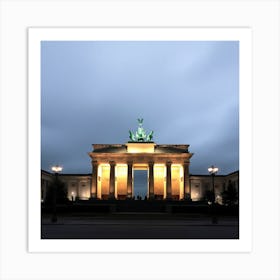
141 157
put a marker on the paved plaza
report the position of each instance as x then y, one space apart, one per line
140 226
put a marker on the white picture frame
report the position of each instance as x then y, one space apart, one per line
243 36
16 262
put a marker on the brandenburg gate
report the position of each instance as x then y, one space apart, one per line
113 166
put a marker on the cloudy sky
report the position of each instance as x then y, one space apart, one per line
186 91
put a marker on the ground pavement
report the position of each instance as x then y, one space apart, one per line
140 226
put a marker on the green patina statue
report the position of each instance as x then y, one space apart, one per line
140 134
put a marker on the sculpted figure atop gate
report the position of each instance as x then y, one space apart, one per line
140 135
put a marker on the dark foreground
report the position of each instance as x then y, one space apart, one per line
140 220
140 226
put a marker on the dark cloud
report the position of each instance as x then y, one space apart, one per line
93 92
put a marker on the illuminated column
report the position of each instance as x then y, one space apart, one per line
151 180
168 180
129 179
187 190
94 164
112 180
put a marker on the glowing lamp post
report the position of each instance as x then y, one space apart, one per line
56 169
213 170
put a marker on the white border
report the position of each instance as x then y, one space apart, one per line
262 16
243 35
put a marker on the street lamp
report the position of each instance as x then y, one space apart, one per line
213 170
56 169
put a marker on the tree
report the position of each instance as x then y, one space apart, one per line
209 196
230 196
61 192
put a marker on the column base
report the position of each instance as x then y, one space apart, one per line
93 196
168 197
112 197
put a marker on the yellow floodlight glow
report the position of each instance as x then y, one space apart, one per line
136 148
140 166
159 179
121 180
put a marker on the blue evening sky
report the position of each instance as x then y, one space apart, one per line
94 91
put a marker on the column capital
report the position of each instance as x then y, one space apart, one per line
130 163
168 163
94 162
151 163
112 163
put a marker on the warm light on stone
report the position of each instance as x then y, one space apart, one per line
159 182
113 166
121 182
104 181
140 147
177 185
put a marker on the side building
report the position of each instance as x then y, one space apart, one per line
77 185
